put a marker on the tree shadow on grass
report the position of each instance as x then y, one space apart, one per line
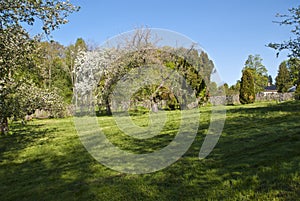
38 163
259 153
256 158
20 136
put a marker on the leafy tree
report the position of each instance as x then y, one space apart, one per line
226 88
234 89
259 72
293 65
292 44
137 51
71 54
283 79
29 97
297 93
18 50
247 91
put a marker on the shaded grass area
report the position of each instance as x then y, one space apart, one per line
256 158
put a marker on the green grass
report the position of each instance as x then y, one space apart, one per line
256 158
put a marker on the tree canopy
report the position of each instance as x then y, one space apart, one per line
18 52
283 79
136 52
293 43
259 72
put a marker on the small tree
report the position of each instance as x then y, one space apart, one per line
283 79
247 92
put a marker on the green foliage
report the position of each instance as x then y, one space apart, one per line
293 65
29 98
52 13
292 44
297 93
283 79
247 91
259 72
194 67
234 89
18 52
53 70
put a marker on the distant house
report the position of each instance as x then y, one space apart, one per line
270 90
292 89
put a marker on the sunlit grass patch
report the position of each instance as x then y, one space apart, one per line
256 158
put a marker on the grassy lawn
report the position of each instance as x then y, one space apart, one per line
256 158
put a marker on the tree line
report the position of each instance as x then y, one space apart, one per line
255 79
289 71
38 74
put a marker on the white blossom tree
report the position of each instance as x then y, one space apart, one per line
90 66
99 71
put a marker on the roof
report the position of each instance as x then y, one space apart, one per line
292 89
271 88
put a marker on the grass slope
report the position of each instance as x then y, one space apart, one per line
256 158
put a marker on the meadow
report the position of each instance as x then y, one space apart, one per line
257 158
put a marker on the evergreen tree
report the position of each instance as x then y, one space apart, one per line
247 91
283 79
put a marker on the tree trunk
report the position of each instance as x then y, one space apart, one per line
3 125
108 110
154 106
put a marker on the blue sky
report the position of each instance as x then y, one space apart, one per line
229 30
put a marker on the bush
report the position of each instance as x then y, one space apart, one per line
29 98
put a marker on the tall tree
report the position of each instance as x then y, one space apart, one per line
49 55
293 65
259 72
17 49
71 53
135 52
247 91
292 44
283 79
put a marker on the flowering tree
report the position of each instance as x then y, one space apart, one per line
17 49
29 98
90 66
99 71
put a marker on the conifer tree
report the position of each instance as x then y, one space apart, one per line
247 91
